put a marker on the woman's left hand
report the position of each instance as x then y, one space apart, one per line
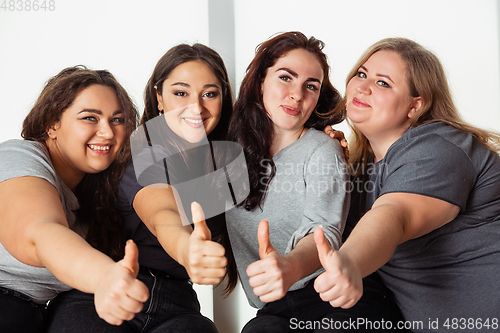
272 275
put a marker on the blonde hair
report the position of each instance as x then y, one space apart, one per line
426 78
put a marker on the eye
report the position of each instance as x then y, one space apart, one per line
180 93
118 120
383 84
90 118
312 87
211 94
361 74
285 78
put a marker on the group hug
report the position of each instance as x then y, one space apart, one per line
108 216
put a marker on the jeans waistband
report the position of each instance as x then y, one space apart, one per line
7 291
159 273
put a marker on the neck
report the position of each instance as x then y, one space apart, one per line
283 139
381 144
69 176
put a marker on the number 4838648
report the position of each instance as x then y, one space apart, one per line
28 5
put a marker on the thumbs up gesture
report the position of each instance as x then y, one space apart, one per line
270 276
341 284
206 261
119 295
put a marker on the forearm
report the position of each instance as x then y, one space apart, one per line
303 259
173 235
374 239
69 257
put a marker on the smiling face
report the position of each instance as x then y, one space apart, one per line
191 98
378 100
291 89
89 134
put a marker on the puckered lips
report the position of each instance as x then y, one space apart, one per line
292 111
360 103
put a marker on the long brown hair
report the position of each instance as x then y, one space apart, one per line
174 57
425 78
251 125
96 193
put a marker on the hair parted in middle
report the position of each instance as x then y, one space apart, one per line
251 125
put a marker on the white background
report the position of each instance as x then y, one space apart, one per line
128 37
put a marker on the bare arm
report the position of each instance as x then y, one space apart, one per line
203 259
39 236
393 219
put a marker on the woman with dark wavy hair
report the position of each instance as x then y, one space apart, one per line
59 229
298 179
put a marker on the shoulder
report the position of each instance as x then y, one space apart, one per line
25 158
318 142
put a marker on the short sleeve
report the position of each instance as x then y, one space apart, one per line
21 158
326 199
430 166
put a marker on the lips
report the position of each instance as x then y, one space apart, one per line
194 122
360 103
99 148
291 110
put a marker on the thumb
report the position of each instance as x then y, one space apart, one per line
322 245
131 259
200 226
265 246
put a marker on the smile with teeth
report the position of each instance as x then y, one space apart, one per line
94 147
194 121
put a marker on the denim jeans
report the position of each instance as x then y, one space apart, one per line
18 314
303 311
172 307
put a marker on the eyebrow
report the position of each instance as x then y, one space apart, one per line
184 84
295 75
378 74
99 112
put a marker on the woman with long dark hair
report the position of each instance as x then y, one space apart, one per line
298 179
188 105
59 229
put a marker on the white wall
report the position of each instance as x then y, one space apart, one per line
127 37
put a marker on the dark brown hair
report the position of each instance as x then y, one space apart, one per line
174 57
251 125
96 193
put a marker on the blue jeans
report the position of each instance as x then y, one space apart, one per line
303 311
172 307
19 314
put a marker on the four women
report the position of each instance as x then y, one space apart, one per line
406 130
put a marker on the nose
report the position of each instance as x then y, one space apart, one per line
363 87
105 131
296 93
195 108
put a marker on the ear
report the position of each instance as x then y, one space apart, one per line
415 106
159 98
52 131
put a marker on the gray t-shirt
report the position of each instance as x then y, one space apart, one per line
308 190
453 271
19 158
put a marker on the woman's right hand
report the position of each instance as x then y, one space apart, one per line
341 284
119 295
206 261
339 135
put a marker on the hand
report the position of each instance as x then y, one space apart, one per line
206 261
271 276
339 135
119 295
341 284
